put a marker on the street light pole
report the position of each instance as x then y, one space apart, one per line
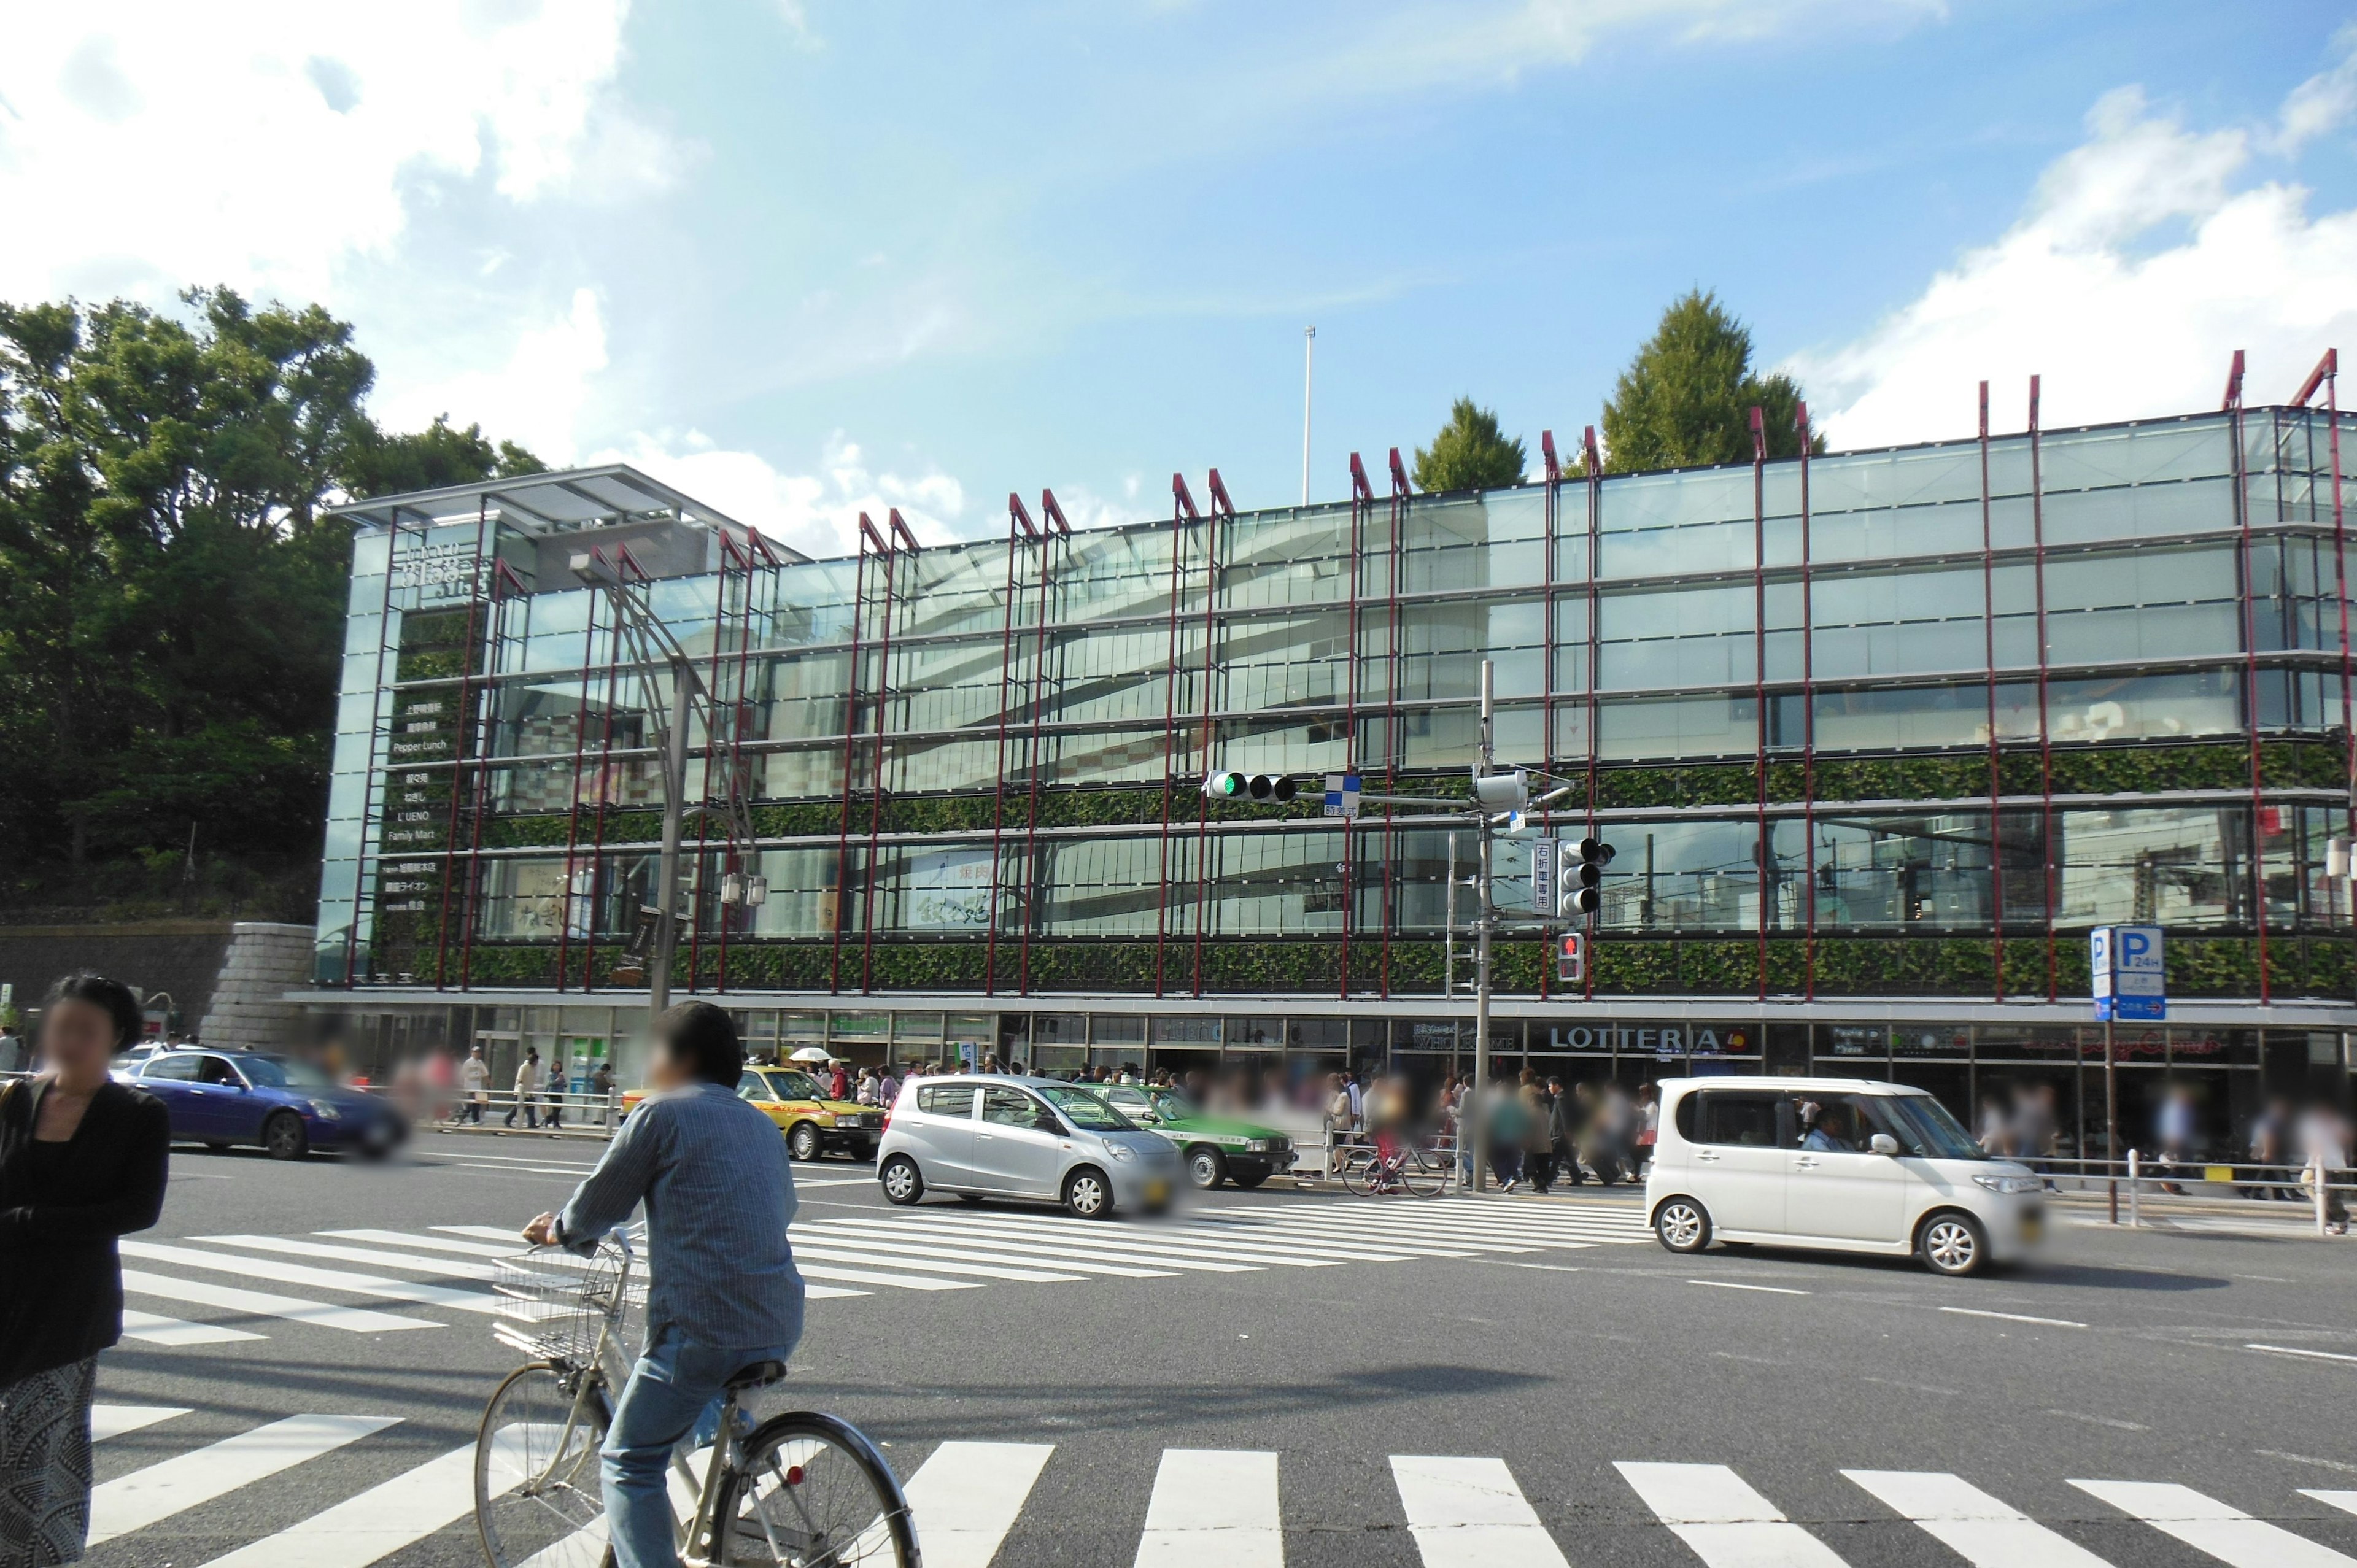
1474 1126
1308 368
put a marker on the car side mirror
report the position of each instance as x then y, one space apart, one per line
1882 1144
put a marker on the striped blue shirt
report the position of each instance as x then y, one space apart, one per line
719 1192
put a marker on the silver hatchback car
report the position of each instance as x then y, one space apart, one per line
987 1135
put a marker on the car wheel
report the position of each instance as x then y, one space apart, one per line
1206 1166
900 1181
284 1136
1248 1179
1682 1225
803 1142
1088 1195
1952 1244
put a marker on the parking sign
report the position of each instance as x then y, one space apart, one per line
2128 968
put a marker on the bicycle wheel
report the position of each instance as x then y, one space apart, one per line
1424 1173
537 1497
1359 1171
812 1492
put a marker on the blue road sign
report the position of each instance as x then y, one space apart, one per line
2128 968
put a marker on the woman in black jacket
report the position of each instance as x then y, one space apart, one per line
82 1161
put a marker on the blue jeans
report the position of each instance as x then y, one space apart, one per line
674 1390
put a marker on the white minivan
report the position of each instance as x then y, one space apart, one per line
1848 1164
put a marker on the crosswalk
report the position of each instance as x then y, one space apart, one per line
970 1498
377 1280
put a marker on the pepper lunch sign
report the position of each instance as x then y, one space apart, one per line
1664 1042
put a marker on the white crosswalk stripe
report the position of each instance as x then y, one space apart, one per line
1728 1523
373 1524
1205 1506
964 1499
1471 1513
274 1273
2208 1525
1976 1527
160 1490
1213 1504
268 1304
113 1420
159 1330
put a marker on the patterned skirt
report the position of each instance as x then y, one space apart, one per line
45 1465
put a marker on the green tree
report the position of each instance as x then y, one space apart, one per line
1687 396
1470 454
171 627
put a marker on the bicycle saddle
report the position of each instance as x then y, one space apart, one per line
756 1375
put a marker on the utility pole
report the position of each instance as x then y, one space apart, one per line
1308 370
1473 1125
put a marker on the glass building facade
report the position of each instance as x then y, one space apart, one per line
1877 736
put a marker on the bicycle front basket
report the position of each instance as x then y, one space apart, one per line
552 1305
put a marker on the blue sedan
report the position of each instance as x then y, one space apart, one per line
288 1107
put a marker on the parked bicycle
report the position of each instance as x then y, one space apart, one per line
1408 1168
799 1490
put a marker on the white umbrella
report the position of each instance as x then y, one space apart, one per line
811 1054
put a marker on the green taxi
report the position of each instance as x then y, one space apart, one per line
1216 1149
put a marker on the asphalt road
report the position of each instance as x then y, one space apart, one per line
1413 1407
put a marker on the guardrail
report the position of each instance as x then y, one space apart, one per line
2142 1181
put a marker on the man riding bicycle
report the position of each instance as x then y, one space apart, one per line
725 1294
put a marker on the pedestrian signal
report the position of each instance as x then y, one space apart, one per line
1571 958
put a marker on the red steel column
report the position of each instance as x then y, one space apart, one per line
573 819
1016 516
1763 857
2327 375
1393 749
1051 526
1988 638
850 750
1362 501
1553 472
896 532
2234 411
1595 661
459 727
1210 652
1808 709
2045 724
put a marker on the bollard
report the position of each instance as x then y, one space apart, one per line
2135 1219
2316 1175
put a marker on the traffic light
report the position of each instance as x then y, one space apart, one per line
1506 791
1264 787
1579 873
1571 958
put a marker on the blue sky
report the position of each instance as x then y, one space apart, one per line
806 258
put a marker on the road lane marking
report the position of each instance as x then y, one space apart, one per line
160 1490
1471 1513
158 1330
372 1524
264 1304
2013 1316
275 1272
2208 1525
1727 1523
1120 1251
965 1499
2345 1501
1733 1284
1976 1527
2292 1350
2099 1420
584 1548
1094 1234
1213 1505
1550 1268
113 1420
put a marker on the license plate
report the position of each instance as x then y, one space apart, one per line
1156 1190
2033 1225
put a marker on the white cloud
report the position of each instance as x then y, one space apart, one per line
536 398
2134 272
817 513
147 146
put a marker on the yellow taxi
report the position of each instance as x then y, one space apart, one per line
812 1124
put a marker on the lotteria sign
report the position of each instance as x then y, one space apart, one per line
1659 1040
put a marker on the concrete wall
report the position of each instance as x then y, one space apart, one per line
248 1009
182 957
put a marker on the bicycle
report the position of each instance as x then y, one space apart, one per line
1409 1167
799 1490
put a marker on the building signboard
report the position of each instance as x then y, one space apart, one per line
2130 977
